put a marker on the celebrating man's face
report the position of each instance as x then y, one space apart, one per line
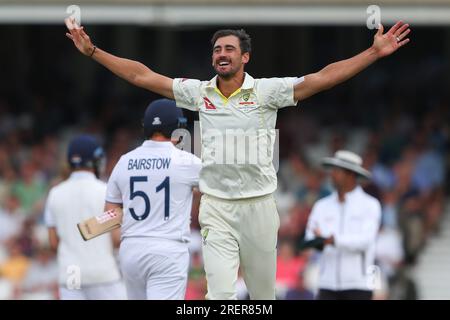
227 57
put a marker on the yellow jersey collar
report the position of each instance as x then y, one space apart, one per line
248 84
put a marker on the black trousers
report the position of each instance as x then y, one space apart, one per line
325 294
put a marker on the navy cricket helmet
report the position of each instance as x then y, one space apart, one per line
163 116
84 152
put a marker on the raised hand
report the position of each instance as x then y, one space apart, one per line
391 41
79 37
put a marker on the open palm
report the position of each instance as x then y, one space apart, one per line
391 41
79 37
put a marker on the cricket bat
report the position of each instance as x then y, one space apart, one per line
98 225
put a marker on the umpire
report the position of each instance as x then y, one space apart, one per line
346 224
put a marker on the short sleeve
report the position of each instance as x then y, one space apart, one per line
194 175
187 93
188 168
49 219
113 193
279 92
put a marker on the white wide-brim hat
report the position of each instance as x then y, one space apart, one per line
347 160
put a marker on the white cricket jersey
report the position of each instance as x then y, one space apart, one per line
70 202
154 183
237 133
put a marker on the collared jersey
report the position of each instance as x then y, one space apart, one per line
154 183
237 133
80 197
354 223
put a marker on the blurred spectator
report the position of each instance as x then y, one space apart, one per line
16 266
434 209
26 239
389 211
196 286
428 172
412 225
313 189
299 292
382 176
11 219
389 255
402 287
7 179
292 173
30 190
392 142
41 279
289 265
293 225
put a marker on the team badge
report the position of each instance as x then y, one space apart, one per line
156 121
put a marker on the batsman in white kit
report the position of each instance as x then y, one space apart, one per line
154 185
87 270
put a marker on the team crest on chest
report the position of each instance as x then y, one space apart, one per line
245 103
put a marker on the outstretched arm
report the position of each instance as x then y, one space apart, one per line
132 71
335 73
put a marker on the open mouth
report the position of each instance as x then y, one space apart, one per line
223 63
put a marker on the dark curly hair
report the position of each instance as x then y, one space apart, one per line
245 42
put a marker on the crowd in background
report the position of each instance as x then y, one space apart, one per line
406 155
408 159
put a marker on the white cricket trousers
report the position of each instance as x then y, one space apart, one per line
239 232
154 269
107 291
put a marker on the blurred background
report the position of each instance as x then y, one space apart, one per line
395 114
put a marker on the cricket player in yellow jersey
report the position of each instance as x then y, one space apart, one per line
238 214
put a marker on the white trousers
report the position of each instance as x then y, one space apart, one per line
239 233
108 291
154 269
